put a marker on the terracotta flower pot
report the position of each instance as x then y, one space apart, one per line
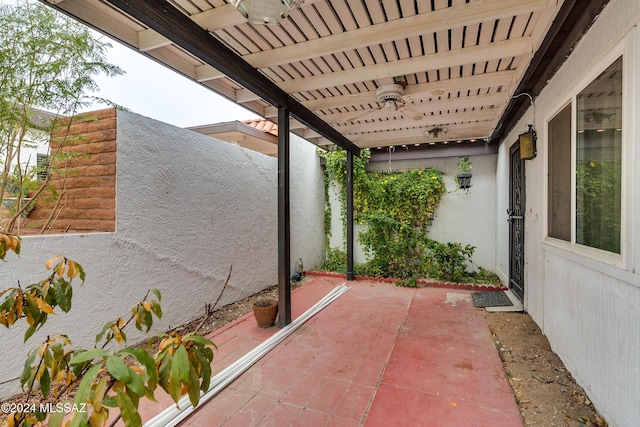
265 312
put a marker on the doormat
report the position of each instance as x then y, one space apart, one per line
490 299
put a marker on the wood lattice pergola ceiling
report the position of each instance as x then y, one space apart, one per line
456 64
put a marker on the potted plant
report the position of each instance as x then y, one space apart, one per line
265 311
463 179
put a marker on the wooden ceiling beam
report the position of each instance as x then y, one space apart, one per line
93 14
420 90
478 130
400 123
181 30
445 106
212 20
206 72
453 58
425 23
497 79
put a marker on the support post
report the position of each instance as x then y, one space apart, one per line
349 190
284 224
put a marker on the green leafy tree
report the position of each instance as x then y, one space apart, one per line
47 62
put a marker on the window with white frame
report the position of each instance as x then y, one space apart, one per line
42 166
590 204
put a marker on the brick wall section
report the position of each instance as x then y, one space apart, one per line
88 202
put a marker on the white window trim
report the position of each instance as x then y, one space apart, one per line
624 49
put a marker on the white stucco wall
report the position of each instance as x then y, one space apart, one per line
188 207
307 204
462 216
468 216
587 304
336 240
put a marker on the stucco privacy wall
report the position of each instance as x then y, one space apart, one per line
307 204
188 207
467 217
588 308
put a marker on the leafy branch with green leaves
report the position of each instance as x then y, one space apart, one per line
107 376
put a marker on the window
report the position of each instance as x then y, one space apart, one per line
598 165
559 191
42 166
599 161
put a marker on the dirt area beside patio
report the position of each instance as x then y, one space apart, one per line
233 311
546 393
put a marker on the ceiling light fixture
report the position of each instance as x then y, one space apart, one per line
435 132
265 11
438 92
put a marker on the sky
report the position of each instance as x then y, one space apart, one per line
154 91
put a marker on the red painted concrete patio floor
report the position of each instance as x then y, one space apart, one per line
379 355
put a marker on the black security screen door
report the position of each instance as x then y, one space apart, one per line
516 223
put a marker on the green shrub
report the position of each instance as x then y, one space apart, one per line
395 249
336 261
411 282
482 275
449 261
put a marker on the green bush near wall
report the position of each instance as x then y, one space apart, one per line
396 210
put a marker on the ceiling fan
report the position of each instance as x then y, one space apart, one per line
391 96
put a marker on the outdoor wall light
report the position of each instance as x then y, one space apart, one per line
528 144
265 11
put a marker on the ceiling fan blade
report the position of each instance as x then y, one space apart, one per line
362 113
410 112
425 94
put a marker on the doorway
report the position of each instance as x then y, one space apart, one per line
516 222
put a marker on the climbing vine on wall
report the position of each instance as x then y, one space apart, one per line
409 197
396 210
336 173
